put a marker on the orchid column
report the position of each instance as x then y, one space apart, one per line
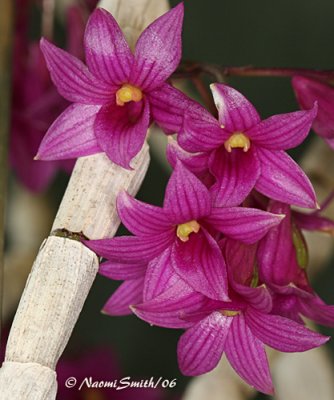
65 269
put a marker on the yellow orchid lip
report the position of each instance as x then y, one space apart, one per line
128 93
237 140
184 230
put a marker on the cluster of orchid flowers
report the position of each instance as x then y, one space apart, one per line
224 258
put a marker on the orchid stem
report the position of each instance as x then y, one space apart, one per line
205 94
326 202
278 72
6 29
219 73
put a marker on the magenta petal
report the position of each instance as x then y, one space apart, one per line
72 78
121 131
131 249
248 225
200 263
242 269
201 347
283 131
108 55
292 289
159 276
281 333
282 179
140 218
240 260
167 107
71 135
196 163
287 306
120 271
260 297
313 222
236 174
158 50
308 91
201 131
236 113
317 310
247 356
168 309
276 254
186 198
130 292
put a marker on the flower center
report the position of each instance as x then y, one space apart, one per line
237 140
128 93
230 313
184 230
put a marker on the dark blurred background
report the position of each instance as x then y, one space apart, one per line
265 33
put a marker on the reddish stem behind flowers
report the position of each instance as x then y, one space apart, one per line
219 73
6 23
278 72
205 94
326 202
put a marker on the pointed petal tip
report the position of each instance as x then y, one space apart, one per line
313 111
42 154
126 164
45 45
270 391
214 87
179 9
100 11
312 203
326 339
180 6
43 41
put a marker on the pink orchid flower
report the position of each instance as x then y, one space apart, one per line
182 235
309 90
242 152
118 94
239 328
282 259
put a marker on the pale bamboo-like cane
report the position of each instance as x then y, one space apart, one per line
64 269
